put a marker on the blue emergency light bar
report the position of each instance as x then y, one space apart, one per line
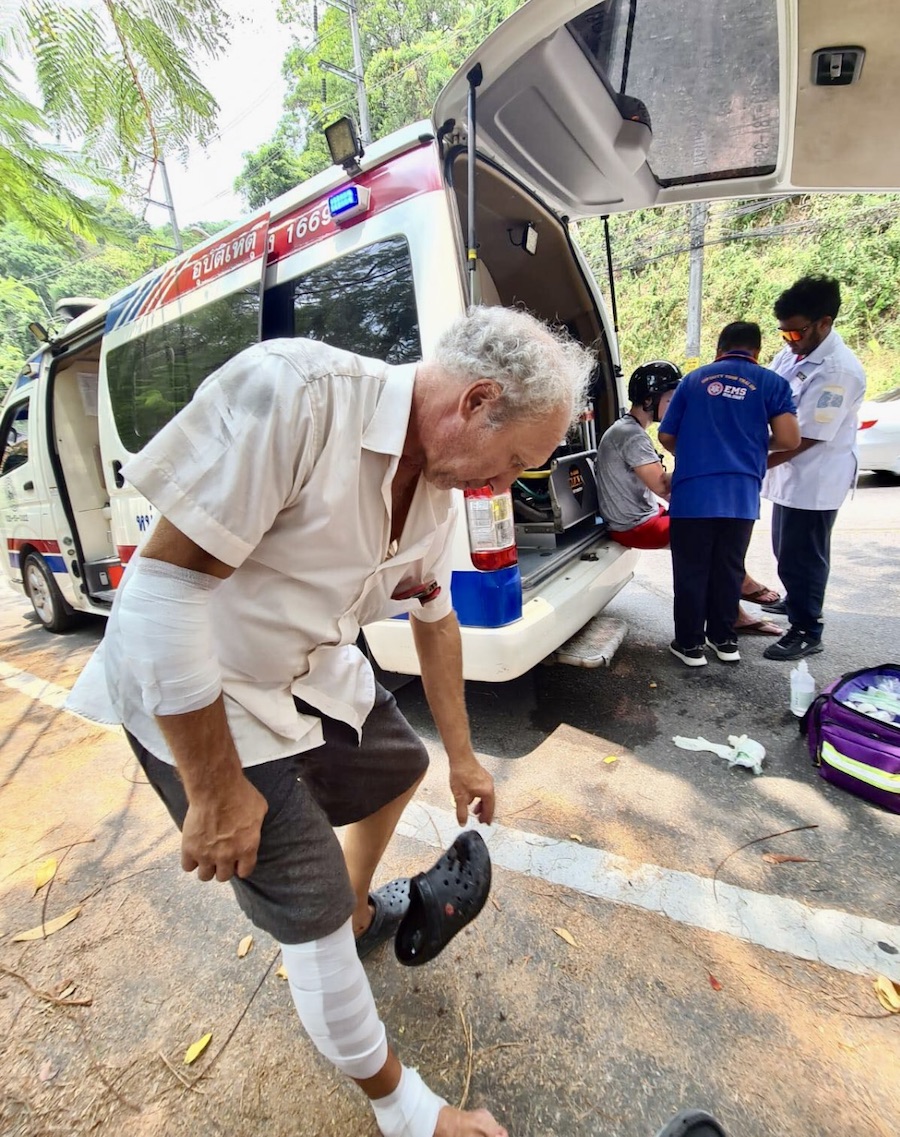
348 203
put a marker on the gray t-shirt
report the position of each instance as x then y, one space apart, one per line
624 499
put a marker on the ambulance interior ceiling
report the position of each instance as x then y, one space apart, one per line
548 283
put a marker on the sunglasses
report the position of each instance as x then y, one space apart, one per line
796 336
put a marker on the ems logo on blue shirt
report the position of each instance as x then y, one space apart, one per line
727 389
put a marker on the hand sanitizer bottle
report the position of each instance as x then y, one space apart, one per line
803 689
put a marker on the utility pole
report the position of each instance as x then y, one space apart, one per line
356 76
168 204
699 216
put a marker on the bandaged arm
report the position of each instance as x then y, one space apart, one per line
182 688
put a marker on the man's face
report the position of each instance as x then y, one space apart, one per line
664 401
810 333
470 453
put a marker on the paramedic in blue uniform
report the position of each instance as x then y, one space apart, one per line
808 486
721 424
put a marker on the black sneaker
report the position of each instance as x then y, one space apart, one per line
794 645
692 1123
727 651
691 656
779 608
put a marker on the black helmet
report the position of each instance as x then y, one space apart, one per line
650 381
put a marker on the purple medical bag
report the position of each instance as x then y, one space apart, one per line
853 750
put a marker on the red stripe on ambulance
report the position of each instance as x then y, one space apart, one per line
15 544
408 175
242 246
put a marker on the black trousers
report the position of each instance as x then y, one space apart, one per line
708 570
801 540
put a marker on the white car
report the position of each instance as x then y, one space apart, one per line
878 437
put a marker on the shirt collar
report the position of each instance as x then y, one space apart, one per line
385 432
825 348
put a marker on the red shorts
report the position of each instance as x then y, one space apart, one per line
652 534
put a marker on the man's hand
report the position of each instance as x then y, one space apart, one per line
222 830
469 781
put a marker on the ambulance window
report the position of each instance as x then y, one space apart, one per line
14 439
363 302
153 376
707 81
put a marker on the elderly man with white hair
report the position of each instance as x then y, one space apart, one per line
301 494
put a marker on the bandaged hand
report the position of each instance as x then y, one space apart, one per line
222 830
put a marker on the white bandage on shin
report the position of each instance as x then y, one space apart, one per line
335 1004
411 1110
163 613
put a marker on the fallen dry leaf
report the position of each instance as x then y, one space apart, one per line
66 991
575 837
785 859
44 873
713 982
612 758
44 930
888 994
566 935
193 1052
47 1071
281 972
244 946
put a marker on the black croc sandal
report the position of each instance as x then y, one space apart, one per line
444 899
692 1123
391 903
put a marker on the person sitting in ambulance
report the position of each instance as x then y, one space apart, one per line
631 480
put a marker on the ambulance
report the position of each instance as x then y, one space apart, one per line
567 111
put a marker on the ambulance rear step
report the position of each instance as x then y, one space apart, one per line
593 646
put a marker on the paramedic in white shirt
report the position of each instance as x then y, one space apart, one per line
302 493
808 485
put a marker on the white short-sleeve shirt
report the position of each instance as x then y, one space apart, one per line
281 466
828 386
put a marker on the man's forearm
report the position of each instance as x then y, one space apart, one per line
439 648
203 749
778 457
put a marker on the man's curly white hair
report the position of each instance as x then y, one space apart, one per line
538 369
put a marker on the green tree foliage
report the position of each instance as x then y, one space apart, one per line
270 170
754 250
410 49
35 274
115 82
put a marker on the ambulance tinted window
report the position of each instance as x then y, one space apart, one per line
14 439
364 302
154 375
704 73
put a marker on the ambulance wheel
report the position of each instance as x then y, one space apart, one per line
46 599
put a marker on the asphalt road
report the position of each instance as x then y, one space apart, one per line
699 972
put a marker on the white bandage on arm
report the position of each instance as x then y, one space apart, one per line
163 614
334 1001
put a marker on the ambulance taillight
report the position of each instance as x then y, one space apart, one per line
492 531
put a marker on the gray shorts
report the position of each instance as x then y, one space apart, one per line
299 889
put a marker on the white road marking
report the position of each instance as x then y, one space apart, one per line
825 935
38 689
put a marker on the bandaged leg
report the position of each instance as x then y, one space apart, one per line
411 1110
335 1004
334 1001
